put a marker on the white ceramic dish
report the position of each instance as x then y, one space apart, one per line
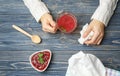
36 53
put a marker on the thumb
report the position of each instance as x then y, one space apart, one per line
52 23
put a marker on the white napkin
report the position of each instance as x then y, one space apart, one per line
82 40
82 64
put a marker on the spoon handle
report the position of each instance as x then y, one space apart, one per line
21 30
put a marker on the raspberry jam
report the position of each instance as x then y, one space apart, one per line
66 22
40 60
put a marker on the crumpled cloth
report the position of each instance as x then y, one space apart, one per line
81 40
82 64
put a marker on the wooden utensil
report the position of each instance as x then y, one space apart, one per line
35 38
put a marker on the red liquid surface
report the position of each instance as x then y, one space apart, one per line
67 23
35 60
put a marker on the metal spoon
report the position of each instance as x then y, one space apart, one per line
35 38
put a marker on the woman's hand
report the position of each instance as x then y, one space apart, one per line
98 28
48 24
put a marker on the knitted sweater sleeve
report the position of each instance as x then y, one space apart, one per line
105 10
37 8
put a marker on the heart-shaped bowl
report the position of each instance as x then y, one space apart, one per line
40 60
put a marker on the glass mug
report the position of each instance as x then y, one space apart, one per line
66 22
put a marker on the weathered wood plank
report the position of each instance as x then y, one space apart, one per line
58 55
18 60
31 73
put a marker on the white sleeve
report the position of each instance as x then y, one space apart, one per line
105 10
37 8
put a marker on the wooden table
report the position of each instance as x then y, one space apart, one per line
15 48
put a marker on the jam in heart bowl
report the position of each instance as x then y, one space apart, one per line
40 60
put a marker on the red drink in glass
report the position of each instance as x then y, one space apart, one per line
66 22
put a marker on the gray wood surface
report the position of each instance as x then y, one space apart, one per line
15 48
